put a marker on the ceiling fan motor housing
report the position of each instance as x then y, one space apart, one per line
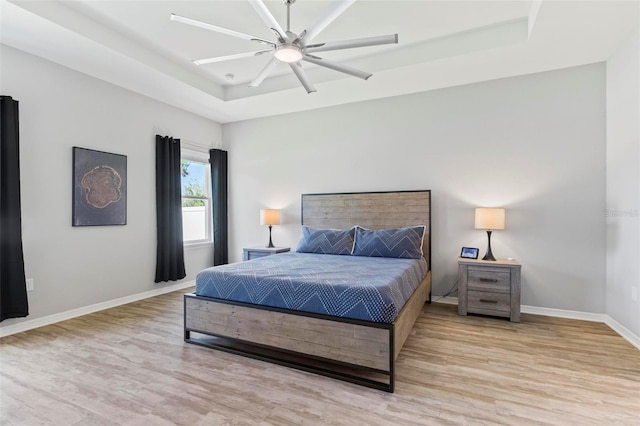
288 52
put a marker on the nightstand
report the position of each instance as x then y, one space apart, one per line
249 253
489 288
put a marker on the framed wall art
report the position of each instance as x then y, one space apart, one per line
99 188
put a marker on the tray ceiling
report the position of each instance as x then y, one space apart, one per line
441 43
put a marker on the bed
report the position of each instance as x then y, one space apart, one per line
354 342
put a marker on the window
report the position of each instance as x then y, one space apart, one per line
196 201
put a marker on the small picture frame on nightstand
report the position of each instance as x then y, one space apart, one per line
469 253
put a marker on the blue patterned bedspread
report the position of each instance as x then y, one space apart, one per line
358 287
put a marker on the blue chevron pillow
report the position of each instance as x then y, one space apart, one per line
326 241
401 242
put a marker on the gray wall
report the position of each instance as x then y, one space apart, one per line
59 109
533 144
623 185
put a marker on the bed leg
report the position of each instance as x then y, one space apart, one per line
429 300
187 335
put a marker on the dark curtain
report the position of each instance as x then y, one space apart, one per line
170 256
218 161
13 287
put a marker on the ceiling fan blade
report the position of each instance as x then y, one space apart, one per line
337 67
226 31
268 18
329 16
302 76
349 44
264 73
300 37
230 57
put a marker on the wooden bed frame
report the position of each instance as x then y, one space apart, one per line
356 351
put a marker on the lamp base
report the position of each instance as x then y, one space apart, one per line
489 255
271 242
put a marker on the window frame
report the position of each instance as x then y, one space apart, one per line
200 157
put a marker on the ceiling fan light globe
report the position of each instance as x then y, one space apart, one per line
288 53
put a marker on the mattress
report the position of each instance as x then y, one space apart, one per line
356 287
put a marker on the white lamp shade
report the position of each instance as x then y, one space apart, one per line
489 218
269 217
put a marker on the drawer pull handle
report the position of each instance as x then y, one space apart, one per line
488 301
489 280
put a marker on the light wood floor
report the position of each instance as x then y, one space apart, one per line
129 366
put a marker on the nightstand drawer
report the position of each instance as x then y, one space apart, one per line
487 278
489 302
257 254
249 253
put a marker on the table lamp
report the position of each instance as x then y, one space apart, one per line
270 217
489 219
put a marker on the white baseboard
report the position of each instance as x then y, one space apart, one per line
62 316
562 313
623 331
446 300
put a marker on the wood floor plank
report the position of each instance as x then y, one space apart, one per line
130 366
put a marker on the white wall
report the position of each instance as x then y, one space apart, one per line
623 184
59 109
533 144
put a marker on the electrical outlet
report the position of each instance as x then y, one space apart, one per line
29 284
634 293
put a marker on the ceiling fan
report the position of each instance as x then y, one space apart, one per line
293 48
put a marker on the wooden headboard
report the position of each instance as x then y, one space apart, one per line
373 210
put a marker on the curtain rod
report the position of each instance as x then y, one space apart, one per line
195 145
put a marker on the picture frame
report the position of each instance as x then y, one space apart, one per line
99 188
469 252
